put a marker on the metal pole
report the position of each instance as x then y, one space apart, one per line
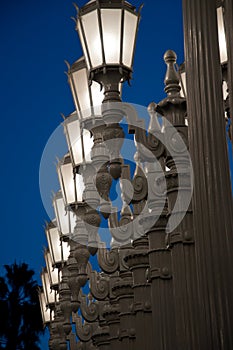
212 202
228 5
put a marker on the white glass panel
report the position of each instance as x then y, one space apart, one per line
53 272
224 90
79 187
82 92
65 250
49 293
65 219
88 144
72 87
68 183
54 243
91 29
45 312
73 129
221 36
83 44
130 27
183 85
111 24
97 97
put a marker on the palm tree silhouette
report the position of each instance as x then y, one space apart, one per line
20 320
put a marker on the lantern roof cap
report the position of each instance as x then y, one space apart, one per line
108 4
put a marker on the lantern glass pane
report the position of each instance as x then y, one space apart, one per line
75 143
54 244
53 272
183 85
97 97
92 34
87 144
45 311
83 45
130 28
49 293
73 92
79 187
82 92
65 219
111 25
67 184
65 251
221 36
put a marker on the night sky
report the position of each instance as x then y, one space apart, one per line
36 38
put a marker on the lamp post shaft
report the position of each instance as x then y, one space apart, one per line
229 30
212 202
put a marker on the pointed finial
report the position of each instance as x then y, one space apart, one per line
172 87
63 117
76 6
154 125
67 63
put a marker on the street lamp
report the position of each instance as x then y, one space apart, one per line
107 31
79 140
53 272
87 97
59 250
49 293
46 312
157 281
71 183
65 218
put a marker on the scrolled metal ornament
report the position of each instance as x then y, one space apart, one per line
89 309
99 285
84 330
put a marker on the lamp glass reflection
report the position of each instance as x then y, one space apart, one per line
87 98
72 185
80 142
221 35
50 294
45 311
59 250
66 219
107 33
53 272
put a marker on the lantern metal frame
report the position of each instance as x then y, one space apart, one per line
83 133
47 312
55 262
65 161
67 214
79 65
52 270
107 74
49 293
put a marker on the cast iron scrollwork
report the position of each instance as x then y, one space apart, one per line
99 285
90 308
84 330
108 259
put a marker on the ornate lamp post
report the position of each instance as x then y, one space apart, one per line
168 254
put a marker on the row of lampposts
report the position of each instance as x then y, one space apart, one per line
147 289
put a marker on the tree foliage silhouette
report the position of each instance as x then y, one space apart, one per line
20 317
